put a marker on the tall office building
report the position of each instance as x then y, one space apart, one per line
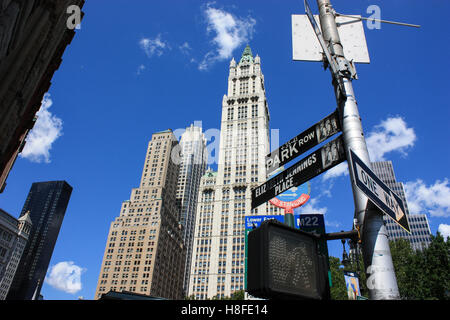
14 235
224 199
46 203
144 251
33 37
420 235
194 158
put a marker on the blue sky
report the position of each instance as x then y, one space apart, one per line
137 67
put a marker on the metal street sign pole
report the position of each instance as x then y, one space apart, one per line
382 282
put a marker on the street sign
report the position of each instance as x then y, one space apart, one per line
292 198
352 285
253 222
306 46
378 192
315 223
309 167
306 140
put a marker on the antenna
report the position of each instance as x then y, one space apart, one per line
373 19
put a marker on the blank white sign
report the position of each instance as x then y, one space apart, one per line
306 47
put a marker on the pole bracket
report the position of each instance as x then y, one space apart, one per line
346 68
352 235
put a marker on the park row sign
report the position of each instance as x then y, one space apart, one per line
306 140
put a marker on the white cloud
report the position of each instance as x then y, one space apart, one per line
230 33
339 170
311 207
433 199
444 230
140 69
333 224
65 276
185 48
390 135
153 46
46 130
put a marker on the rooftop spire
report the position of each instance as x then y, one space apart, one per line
247 54
26 217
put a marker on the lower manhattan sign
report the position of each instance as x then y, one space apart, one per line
378 192
304 141
309 167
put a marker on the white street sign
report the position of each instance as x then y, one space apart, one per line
378 192
306 46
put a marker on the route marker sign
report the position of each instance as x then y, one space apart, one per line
378 192
292 198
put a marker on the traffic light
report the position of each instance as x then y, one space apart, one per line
284 263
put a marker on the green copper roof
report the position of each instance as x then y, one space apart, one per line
164 131
210 173
247 55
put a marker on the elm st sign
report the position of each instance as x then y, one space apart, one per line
306 140
324 158
377 191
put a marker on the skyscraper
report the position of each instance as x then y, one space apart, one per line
144 251
224 199
420 235
194 158
46 203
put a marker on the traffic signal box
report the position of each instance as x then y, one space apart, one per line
284 263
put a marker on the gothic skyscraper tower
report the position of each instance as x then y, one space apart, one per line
218 256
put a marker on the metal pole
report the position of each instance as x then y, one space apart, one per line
381 280
353 235
289 217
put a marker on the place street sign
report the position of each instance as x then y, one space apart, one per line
306 140
378 192
309 167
